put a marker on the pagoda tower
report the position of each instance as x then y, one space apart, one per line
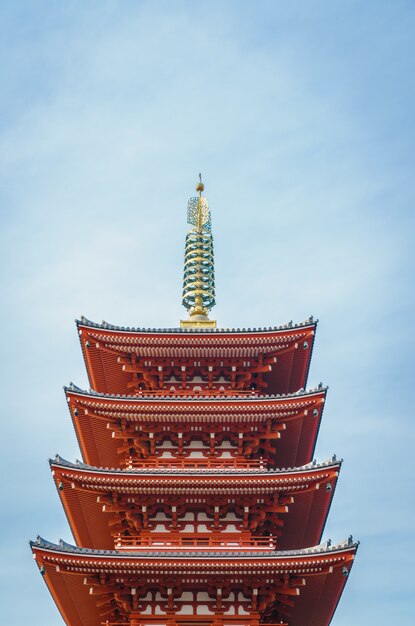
198 500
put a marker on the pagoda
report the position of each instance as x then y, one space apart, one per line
197 501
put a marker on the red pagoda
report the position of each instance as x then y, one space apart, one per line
198 499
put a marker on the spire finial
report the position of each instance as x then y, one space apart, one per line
200 186
198 280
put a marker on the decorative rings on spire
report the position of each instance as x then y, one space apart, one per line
199 271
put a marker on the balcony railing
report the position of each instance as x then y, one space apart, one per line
165 541
194 620
194 390
206 462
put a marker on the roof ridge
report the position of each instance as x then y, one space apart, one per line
322 548
77 464
83 321
296 394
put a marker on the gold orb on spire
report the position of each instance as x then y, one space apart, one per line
200 186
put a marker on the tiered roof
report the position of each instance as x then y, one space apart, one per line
93 492
303 494
309 581
108 350
98 417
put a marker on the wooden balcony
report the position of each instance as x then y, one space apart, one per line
202 462
225 542
195 390
194 620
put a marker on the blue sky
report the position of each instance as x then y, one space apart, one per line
300 116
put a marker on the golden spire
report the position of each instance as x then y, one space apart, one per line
199 271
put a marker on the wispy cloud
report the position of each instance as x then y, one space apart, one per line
301 119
